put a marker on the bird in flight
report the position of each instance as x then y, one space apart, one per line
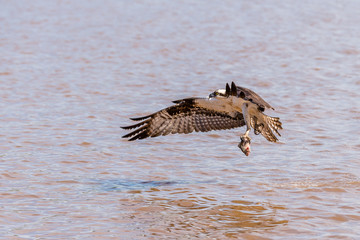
227 108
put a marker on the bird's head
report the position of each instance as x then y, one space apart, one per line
244 145
218 93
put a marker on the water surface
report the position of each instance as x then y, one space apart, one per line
72 72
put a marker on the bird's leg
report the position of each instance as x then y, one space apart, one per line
244 145
246 119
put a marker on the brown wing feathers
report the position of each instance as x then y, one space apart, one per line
184 117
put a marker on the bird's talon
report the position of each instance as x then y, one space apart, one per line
245 138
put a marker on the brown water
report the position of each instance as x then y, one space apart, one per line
72 72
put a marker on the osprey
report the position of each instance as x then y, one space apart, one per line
227 108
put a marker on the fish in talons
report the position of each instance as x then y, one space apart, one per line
244 145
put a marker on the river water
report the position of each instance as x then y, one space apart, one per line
73 72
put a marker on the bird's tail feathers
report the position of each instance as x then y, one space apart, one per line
266 126
274 123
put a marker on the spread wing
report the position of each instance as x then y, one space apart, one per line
247 94
184 117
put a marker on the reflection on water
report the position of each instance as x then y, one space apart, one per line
244 216
230 220
125 185
192 214
73 72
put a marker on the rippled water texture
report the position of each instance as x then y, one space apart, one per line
73 72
